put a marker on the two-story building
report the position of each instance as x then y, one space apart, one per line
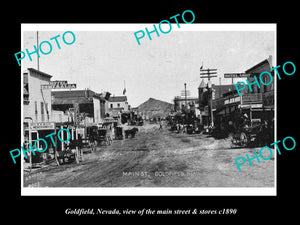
36 101
257 105
188 103
117 105
37 116
84 107
266 92
206 95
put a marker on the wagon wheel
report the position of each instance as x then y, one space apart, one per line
81 154
231 139
243 139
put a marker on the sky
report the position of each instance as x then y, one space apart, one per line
158 68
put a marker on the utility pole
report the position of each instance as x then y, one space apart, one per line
220 95
185 95
185 103
209 73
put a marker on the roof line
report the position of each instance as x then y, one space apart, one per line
257 65
40 72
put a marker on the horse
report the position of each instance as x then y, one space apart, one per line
131 132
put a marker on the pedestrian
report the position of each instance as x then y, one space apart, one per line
125 127
93 142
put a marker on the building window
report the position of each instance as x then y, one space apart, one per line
26 88
111 106
35 110
42 110
47 112
266 79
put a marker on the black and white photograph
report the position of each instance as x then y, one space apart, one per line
149 111
131 110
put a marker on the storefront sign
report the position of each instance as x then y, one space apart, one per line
50 86
58 84
236 75
232 100
42 126
251 98
251 106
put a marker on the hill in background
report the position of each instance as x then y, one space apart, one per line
155 108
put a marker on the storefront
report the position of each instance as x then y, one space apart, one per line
35 131
229 110
226 113
40 130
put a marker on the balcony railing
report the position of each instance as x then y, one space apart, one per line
246 98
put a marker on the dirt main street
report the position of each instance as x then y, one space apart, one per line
160 158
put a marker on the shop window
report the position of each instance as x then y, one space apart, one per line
42 111
35 110
47 111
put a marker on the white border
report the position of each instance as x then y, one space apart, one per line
136 27
153 191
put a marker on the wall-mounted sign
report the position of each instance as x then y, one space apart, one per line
238 75
42 126
232 100
251 98
252 106
58 84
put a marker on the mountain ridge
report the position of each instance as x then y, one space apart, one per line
155 108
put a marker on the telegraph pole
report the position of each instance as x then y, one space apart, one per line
185 95
209 73
185 100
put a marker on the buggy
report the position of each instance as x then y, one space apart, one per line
118 133
103 137
71 153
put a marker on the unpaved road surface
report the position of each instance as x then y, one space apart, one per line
159 158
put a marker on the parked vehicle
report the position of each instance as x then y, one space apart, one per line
72 152
104 137
118 133
256 135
